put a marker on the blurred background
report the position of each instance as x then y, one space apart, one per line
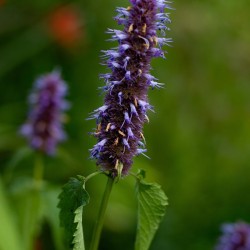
198 139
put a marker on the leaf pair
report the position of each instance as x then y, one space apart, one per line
152 203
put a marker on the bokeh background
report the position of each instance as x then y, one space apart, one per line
198 139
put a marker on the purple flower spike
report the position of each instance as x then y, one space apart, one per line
43 128
121 118
235 237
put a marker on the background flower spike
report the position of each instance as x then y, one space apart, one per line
44 126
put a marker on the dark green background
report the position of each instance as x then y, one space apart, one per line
198 139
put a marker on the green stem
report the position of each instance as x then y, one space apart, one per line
38 170
92 175
101 215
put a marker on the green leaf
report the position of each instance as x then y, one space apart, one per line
152 203
27 201
72 198
78 240
9 235
50 213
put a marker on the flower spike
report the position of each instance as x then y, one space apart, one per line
43 128
236 236
126 102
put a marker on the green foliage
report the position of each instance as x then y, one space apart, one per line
10 239
152 203
50 214
27 199
72 199
35 207
19 155
78 240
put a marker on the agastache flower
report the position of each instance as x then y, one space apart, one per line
43 128
235 237
121 118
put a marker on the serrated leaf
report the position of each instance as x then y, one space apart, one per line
152 203
78 240
72 197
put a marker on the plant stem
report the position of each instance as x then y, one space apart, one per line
38 170
92 175
101 215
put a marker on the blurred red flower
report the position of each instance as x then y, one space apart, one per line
2 2
66 26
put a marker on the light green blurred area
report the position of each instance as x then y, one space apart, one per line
198 139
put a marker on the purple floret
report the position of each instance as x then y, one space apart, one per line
43 128
120 120
235 237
